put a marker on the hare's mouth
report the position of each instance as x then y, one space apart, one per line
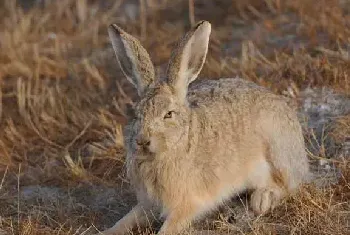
154 146
144 156
146 149
143 150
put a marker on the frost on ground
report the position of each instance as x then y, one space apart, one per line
319 113
320 110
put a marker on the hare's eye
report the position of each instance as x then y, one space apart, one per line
169 114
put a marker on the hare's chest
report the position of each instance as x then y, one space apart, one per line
145 175
162 181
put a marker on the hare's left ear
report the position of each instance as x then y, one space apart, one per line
133 58
188 58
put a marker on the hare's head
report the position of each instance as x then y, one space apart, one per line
162 115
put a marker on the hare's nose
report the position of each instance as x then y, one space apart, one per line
142 141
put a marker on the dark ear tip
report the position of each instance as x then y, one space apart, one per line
202 22
115 29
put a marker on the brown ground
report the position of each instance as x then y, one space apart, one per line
63 105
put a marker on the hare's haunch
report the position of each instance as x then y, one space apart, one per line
190 147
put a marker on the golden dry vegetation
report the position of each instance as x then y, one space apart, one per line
63 101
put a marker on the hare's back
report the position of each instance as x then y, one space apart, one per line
244 112
226 91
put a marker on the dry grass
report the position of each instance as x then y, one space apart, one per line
63 100
311 211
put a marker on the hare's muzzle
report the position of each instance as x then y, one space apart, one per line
143 141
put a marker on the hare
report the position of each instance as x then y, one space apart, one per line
189 148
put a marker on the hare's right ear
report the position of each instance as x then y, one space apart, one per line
132 57
188 58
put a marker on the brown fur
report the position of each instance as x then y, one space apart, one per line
224 136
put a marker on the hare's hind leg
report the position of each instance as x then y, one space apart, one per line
139 215
268 187
264 199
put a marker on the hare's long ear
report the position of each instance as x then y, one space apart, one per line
188 58
132 57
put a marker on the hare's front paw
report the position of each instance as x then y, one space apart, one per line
264 199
